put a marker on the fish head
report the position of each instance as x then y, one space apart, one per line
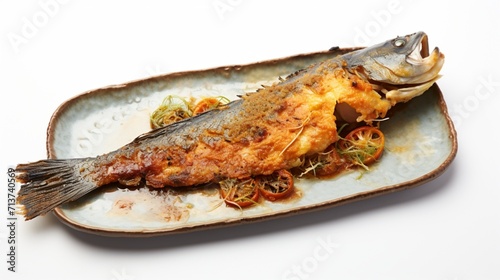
401 68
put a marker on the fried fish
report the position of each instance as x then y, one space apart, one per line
260 133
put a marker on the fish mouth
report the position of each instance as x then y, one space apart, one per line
420 50
426 65
416 64
420 54
423 72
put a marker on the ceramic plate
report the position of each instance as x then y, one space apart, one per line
420 144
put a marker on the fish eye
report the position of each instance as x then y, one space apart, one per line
399 42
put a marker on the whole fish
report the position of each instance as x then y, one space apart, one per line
262 132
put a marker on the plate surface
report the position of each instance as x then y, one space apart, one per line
420 143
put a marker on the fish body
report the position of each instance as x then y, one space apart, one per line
262 132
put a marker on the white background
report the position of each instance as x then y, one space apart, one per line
447 229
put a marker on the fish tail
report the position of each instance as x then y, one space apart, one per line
47 184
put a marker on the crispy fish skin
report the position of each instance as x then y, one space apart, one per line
262 132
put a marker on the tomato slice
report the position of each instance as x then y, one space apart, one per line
364 145
330 162
278 185
239 193
208 104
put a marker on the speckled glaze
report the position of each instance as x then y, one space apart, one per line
420 144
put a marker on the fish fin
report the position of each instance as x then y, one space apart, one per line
47 184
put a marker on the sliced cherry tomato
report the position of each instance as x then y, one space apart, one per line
364 145
239 193
278 185
208 104
330 162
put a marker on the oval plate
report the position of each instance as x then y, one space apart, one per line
420 144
